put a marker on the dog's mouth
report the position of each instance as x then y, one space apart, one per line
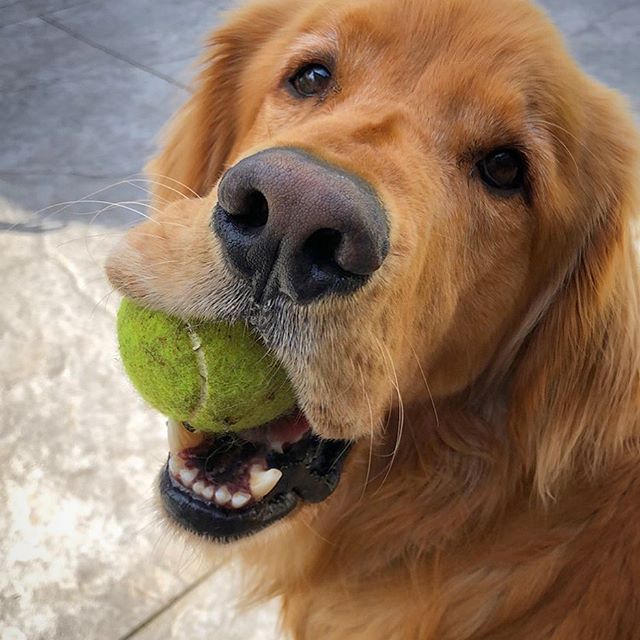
227 486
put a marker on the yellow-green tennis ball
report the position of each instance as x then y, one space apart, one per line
215 376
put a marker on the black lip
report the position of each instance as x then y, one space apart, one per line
311 471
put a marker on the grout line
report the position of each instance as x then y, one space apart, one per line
32 15
114 54
156 614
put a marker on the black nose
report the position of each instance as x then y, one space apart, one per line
292 223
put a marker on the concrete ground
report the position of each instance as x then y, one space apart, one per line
84 87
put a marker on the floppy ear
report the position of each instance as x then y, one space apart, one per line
576 389
201 135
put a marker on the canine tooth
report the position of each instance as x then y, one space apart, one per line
180 438
198 487
261 481
222 495
207 492
187 476
239 500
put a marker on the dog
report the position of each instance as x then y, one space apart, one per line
425 210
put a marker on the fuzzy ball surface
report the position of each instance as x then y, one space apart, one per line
215 376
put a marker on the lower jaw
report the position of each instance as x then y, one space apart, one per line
216 524
309 471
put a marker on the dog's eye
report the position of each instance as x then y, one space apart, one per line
310 80
502 169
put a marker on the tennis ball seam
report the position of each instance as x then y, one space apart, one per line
217 376
201 361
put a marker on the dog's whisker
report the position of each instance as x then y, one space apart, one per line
127 205
147 191
62 206
146 234
316 533
68 203
120 233
340 456
158 177
141 184
564 146
104 300
573 136
426 384
371 429
400 423
160 263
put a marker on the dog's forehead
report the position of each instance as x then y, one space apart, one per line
479 62
404 41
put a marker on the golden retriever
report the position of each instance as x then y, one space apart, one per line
424 209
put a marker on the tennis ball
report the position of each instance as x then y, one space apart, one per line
215 376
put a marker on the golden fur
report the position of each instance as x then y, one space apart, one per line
489 371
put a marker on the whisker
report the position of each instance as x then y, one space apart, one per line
315 533
571 135
426 384
69 203
580 142
370 457
94 236
178 182
339 456
400 425
105 300
125 204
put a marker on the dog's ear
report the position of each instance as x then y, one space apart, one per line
576 386
201 135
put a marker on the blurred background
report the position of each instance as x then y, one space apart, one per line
85 86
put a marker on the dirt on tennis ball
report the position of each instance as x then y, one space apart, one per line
215 376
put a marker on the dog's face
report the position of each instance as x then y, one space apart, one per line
387 191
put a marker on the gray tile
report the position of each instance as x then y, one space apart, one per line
153 33
12 11
35 53
574 15
610 50
181 71
74 119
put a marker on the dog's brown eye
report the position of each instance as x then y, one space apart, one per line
310 80
502 169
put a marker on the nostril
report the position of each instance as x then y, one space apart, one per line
252 212
290 224
320 248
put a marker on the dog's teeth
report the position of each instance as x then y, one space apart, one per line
239 500
207 492
187 476
180 438
262 481
222 495
198 487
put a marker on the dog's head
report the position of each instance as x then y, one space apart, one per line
392 193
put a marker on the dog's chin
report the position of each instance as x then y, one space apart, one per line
225 487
